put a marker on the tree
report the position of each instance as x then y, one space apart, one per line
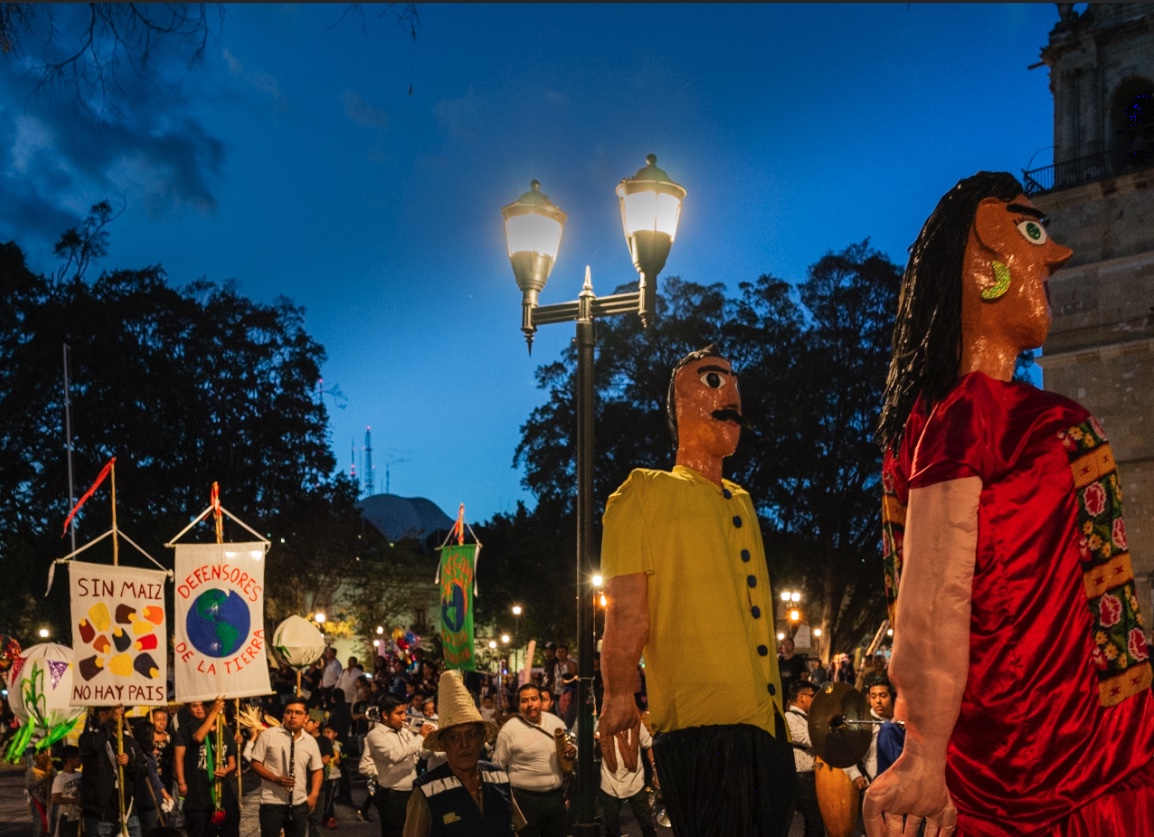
631 372
184 386
88 47
828 497
812 362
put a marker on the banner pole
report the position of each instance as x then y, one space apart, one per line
115 547
120 752
239 776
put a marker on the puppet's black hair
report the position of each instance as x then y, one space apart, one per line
670 407
927 342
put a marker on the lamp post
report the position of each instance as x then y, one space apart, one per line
792 612
650 208
517 611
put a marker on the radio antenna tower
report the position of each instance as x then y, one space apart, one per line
368 475
353 462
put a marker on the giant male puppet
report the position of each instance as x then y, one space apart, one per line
685 573
1019 651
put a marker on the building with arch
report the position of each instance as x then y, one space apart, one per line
1099 195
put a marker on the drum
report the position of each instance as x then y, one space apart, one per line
837 798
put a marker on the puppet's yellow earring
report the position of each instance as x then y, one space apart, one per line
1001 283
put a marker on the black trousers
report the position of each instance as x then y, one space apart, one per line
544 812
275 817
611 813
807 804
732 780
391 805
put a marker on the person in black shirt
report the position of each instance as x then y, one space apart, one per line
313 725
200 760
162 748
791 665
102 752
341 720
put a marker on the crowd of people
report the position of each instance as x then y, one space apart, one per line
375 722
801 682
180 766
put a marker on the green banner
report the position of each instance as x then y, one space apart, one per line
457 605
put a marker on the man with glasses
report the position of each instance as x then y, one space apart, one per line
291 771
801 696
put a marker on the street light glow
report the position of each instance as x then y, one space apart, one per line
785 596
380 630
505 639
319 618
650 205
817 631
492 643
44 633
795 596
517 610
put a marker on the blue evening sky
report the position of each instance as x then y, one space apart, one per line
297 161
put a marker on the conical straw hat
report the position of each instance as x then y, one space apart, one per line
454 708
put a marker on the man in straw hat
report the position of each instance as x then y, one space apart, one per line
464 795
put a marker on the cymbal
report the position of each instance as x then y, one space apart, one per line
839 744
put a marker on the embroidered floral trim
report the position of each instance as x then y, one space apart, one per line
1119 654
893 535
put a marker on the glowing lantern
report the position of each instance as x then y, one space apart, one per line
40 695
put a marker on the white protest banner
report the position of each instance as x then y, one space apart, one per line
119 635
219 621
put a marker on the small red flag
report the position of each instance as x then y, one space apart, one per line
88 494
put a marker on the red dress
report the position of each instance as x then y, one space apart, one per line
1057 708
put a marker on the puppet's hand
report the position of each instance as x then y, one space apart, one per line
620 721
916 787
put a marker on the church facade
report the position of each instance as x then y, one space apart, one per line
1099 196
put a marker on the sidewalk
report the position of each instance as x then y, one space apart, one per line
16 821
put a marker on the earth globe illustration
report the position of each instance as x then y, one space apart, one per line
218 622
453 609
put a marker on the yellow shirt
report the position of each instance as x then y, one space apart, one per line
711 655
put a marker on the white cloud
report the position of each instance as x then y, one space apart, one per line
258 80
363 113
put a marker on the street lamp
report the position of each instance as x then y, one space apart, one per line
650 208
517 611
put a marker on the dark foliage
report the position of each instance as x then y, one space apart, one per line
812 361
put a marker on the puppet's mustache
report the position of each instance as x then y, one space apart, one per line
730 414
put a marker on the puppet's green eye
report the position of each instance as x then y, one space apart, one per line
1033 232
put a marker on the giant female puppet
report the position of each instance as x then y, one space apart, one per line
1019 652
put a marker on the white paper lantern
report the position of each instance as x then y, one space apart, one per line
40 695
297 642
